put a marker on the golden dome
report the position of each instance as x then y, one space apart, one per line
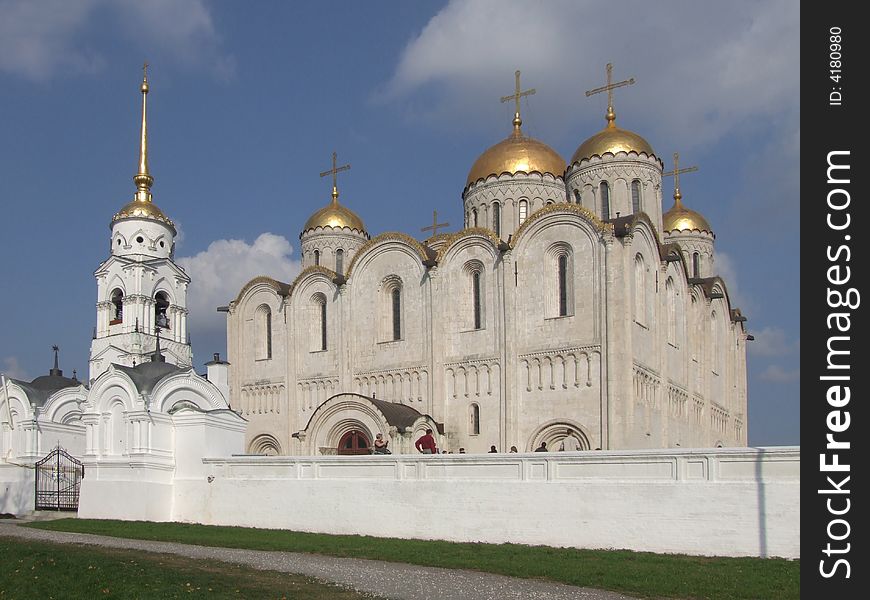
517 154
142 209
334 215
612 139
680 218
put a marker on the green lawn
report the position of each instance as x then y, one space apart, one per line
636 573
42 570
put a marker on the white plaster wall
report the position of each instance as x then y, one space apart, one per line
728 502
16 489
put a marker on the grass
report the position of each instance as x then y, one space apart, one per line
641 574
43 570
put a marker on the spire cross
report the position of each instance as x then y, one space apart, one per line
55 349
516 96
609 89
143 179
435 224
676 173
335 171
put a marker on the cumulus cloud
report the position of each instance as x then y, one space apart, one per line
777 374
701 68
773 341
219 272
12 369
727 270
41 39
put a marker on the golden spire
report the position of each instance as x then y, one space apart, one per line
516 96
143 178
335 171
676 173
611 116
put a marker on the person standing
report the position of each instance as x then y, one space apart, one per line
542 447
492 450
426 443
381 445
570 443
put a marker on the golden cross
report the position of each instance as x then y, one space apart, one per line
676 173
145 71
610 87
335 171
435 224
518 94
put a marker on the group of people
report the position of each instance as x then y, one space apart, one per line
426 444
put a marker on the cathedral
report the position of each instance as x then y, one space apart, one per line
570 305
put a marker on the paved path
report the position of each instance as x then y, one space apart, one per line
390 580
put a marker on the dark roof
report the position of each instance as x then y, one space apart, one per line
42 387
147 375
397 415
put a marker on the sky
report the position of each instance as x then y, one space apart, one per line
249 100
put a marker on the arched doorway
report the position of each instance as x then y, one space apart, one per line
354 442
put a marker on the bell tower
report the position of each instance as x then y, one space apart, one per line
141 292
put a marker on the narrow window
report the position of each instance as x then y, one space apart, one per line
317 257
268 328
696 265
635 196
339 261
475 291
496 218
323 325
161 304
118 302
563 285
397 318
474 420
605 200
474 217
524 210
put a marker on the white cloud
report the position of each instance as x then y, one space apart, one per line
727 270
701 68
219 272
772 341
12 369
39 40
776 374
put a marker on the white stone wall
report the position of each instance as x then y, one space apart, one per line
725 502
17 495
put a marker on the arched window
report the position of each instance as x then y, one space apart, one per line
118 303
496 218
323 324
671 296
696 265
263 332
396 302
524 210
635 196
639 289
161 305
339 261
563 285
605 200
317 257
714 345
474 217
475 298
474 420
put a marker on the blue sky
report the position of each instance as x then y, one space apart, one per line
249 100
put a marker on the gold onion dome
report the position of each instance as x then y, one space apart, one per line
335 215
680 218
612 139
142 205
517 154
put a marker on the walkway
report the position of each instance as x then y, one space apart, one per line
390 580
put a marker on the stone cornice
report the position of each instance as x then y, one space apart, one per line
390 236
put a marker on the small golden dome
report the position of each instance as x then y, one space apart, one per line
142 209
680 218
335 215
517 154
612 139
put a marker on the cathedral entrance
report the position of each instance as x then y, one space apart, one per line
354 442
58 478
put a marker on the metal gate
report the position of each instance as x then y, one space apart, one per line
58 477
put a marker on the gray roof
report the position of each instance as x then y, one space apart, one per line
147 375
397 415
42 387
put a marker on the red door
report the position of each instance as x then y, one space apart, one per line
354 442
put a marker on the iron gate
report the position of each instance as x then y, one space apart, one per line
58 477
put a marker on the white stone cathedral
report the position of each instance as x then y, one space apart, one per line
569 306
